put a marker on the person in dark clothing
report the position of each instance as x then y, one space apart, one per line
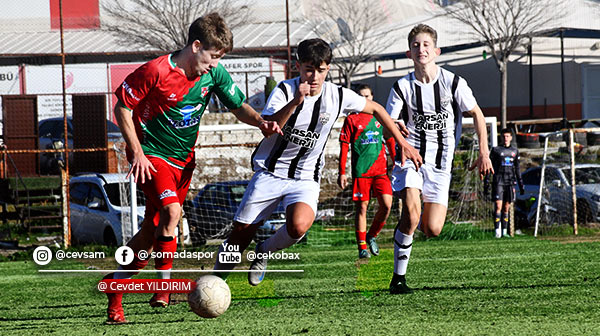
505 160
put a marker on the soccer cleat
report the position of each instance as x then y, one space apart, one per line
372 242
398 285
115 312
258 264
506 235
363 254
160 300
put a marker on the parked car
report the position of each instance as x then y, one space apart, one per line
51 136
96 209
557 182
210 212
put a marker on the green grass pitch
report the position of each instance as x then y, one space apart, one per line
519 286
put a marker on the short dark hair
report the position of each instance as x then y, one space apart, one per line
212 31
314 51
363 86
506 130
422 28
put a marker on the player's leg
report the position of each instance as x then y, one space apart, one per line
261 198
406 184
300 199
360 226
171 184
497 196
382 189
361 194
403 238
434 216
509 192
142 240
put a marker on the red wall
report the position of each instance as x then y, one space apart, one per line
77 14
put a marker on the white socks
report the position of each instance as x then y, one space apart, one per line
280 240
402 248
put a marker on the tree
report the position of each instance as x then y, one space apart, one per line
353 30
504 25
164 24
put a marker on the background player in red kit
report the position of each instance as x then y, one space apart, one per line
369 172
159 110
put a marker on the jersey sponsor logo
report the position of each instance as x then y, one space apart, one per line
438 121
324 117
188 120
129 91
172 97
303 138
372 138
232 90
508 161
167 193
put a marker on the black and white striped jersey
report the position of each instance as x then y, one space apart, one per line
298 153
432 113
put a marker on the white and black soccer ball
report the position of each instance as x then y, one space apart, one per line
211 296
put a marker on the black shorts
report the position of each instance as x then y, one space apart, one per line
505 193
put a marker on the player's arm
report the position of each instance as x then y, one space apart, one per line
483 162
141 167
346 135
408 151
342 180
517 170
248 115
282 115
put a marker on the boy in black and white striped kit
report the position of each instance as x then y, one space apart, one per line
288 167
429 103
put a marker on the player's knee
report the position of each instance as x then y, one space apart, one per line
172 212
298 230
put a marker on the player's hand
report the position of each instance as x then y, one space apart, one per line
403 129
342 181
484 166
141 168
269 128
303 91
410 153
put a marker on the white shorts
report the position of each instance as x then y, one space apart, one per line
434 183
266 190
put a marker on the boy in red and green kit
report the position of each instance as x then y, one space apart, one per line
159 110
369 172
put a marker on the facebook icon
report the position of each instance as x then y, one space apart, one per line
124 255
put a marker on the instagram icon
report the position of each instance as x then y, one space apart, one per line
42 255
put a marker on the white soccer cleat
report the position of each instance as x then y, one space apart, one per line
255 277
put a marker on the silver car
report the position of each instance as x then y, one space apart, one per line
557 182
96 210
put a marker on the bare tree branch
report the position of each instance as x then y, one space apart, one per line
163 24
503 25
353 29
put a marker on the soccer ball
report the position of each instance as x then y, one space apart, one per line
211 296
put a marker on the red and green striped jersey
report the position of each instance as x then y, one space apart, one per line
167 107
365 135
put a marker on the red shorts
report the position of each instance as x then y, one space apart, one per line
362 186
168 185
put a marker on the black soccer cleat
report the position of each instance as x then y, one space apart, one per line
398 285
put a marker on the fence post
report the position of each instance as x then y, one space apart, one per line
573 187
